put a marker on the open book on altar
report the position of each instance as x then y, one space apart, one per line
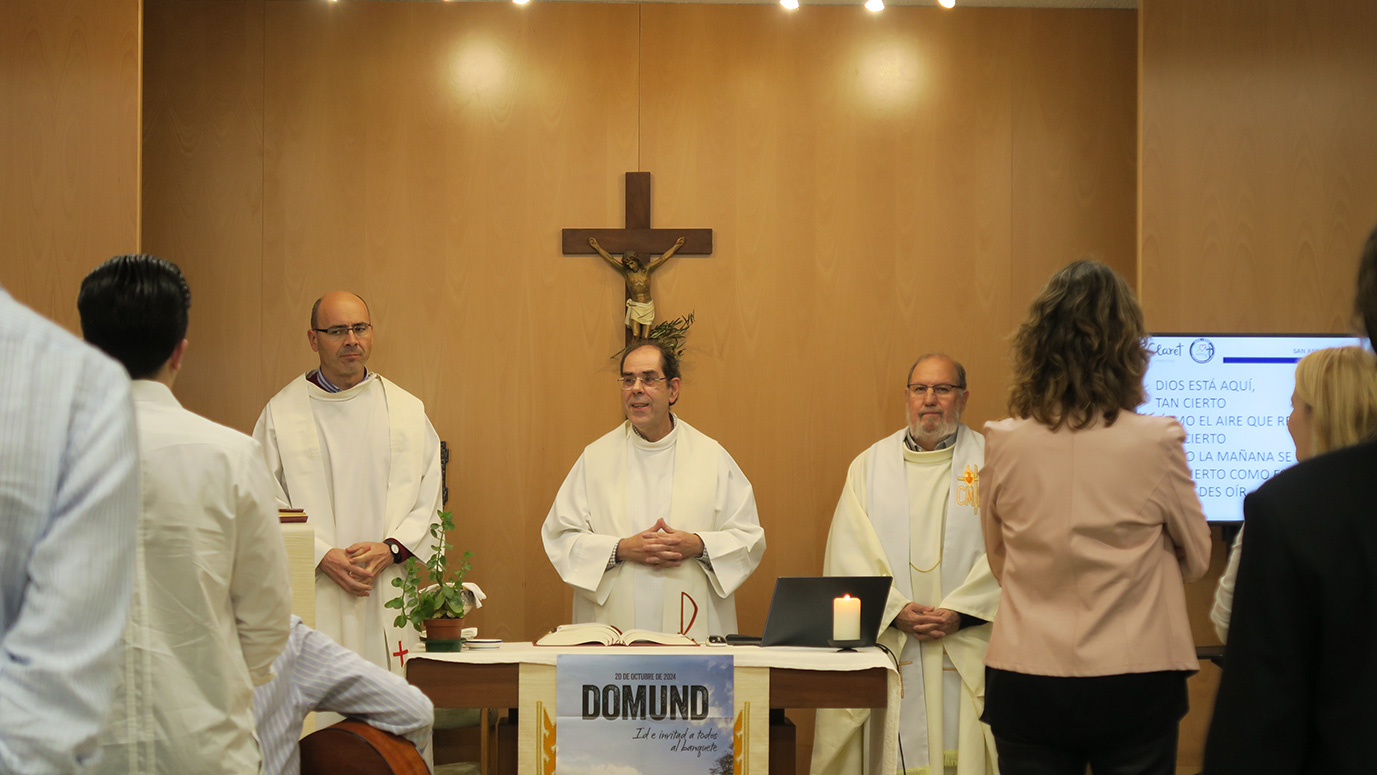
597 634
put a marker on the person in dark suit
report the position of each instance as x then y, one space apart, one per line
1334 405
1299 689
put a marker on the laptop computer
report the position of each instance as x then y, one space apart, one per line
801 609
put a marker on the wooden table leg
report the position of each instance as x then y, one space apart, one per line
483 742
783 743
506 746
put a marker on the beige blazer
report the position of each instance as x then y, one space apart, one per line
1090 534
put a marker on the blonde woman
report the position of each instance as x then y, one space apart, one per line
1296 694
1333 406
1092 525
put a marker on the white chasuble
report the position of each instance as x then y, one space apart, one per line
621 485
649 492
364 464
917 513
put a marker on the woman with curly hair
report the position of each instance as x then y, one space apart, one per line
1092 526
1333 406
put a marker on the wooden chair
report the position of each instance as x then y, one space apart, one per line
352 747
462 741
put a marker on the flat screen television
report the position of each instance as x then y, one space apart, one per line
1232 394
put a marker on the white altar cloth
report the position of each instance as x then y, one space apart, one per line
884 753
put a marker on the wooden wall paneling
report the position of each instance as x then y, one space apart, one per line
1075 147
858 176
834 217
313 163
1257 166
865 182
69 134
952 228
864 210
1256 187
203 191
427 156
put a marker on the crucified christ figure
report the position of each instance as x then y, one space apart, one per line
640 309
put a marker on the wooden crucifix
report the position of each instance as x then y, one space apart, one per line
643 250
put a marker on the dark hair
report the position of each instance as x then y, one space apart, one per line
669 360
1365 302
135 309
1080 355
960 370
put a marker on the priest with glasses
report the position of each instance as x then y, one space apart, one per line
655 527
358 454
909 510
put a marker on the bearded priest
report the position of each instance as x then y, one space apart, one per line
910 510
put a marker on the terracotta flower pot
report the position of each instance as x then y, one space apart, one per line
444 629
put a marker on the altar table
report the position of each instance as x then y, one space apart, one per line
798 678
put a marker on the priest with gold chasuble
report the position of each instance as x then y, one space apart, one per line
909 510
656 526
358 454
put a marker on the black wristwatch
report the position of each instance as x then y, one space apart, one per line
396 548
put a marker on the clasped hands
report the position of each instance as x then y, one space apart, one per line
927 623
355 567
661 546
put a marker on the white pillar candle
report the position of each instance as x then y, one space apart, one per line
846 618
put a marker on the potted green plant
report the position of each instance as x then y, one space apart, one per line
437 609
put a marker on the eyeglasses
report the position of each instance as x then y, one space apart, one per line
941 390
629 383
338 332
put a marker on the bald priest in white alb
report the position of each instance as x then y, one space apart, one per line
359 455
655 527
909 510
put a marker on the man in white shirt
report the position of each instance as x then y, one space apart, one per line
655 527
910 510
314 673
69 501
358 454
211 598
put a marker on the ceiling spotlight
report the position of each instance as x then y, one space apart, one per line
947 3
792 5
521 2
874 6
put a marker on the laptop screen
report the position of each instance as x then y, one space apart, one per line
801 609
